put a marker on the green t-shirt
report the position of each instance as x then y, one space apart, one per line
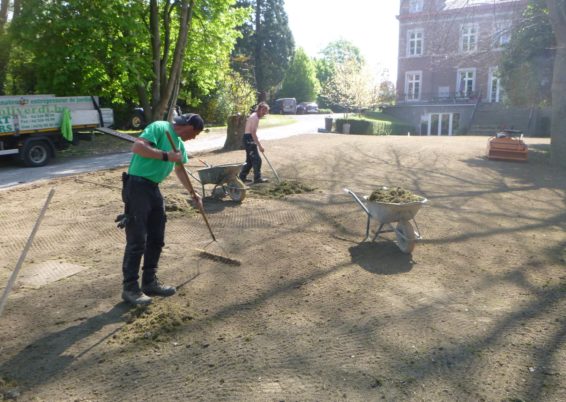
157 170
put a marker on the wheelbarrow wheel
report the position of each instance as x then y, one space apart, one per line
406 239
237 190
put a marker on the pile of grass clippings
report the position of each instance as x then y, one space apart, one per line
394 195
273 190
178 203
8 389
154 323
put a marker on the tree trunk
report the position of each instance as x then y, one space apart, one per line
557 9
235 133
3 13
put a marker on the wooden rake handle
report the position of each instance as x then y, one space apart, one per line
191 189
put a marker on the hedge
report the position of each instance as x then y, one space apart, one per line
376 124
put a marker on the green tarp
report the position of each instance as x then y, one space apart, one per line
66 125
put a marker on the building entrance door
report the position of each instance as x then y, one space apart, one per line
442 123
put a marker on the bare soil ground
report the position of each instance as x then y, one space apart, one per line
313 313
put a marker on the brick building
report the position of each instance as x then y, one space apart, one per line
447 68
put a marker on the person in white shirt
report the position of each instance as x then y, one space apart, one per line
252 144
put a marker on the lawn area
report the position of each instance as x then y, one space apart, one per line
99 144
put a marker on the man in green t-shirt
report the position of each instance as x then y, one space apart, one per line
153 160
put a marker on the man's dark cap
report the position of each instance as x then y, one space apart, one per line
190 119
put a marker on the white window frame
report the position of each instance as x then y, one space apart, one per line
443 92
450 128
416 6
501 33
416 37
469 35
459 80
493 78
410 93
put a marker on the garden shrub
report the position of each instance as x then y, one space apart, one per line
397 126
364 126
325 111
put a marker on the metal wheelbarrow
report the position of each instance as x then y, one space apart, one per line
225 179
388 213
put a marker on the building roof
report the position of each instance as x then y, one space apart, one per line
455 4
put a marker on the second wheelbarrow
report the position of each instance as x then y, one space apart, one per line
386 213
225 179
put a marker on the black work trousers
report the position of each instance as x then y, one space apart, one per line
145 230
253 160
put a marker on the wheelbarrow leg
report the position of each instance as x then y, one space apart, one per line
378 231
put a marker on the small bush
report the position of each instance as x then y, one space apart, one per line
364 126
397 126
325 111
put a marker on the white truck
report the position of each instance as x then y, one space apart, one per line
30 125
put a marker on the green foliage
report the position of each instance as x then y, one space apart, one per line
266 45
213 36
79 47
335 56
364 126
300 81
352 87
104 48
374 127
375 123
526 66
387 93
341 51
234 95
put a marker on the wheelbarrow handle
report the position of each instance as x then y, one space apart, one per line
191 189
357 199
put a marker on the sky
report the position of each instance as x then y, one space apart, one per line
368 24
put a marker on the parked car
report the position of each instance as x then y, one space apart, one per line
137 118
284 106
307 107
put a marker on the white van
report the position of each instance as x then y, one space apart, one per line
285 106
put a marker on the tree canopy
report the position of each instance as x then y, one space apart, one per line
527 62
351 87
300 81
124 50
266 45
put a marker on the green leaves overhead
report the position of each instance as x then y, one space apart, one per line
300 81
266 46
105 47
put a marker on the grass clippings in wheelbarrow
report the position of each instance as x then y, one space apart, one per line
273 190
154 323
395 195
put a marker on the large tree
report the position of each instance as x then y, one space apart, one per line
266 46
86 47
527 62
352 87
557 9
338 55
300 81
7 8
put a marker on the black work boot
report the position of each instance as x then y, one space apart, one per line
134 296
156 288
261 180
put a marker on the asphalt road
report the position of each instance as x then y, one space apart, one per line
13 175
